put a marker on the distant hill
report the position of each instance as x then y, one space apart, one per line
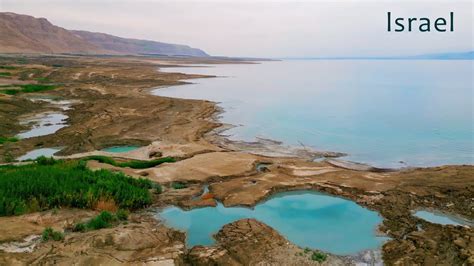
437 56
134 46
448 56
27 34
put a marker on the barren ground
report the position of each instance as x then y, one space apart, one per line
114 107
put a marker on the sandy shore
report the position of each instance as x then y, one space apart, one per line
112 106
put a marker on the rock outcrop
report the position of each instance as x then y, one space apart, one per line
250 242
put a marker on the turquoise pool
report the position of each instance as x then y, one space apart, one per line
119 149
308 219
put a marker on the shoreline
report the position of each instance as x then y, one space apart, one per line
117 110
276 148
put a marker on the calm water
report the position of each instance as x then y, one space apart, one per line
386 113
48 152
440 218
308 219
44 124
119 149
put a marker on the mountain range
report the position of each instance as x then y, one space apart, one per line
27 34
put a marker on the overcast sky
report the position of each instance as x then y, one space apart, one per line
264 28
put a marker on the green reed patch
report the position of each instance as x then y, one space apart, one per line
135 164
8 139
8 67
48 183
26 88
5 74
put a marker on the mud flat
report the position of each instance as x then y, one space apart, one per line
114 108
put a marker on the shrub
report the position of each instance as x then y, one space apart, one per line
135 164
318 256
79 227
50 234
158 189
122 215
178 185
42 160
102 220
106 205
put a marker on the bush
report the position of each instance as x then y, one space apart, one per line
50 183
318 256
50 234
103 220
79 227
42 160
122 215
178 185
158 189
135 164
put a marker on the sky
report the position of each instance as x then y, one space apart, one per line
262 28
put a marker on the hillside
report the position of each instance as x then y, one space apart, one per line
134 46
27 34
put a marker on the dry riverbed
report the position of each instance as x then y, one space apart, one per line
111 106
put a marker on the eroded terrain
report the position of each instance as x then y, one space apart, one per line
112 106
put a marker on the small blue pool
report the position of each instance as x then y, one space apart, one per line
308 219
118 149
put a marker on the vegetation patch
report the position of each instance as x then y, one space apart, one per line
135 164
48 183
158 188
178 185
27 88
8 139
50 234
318 256
104 220
8 67
5 74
